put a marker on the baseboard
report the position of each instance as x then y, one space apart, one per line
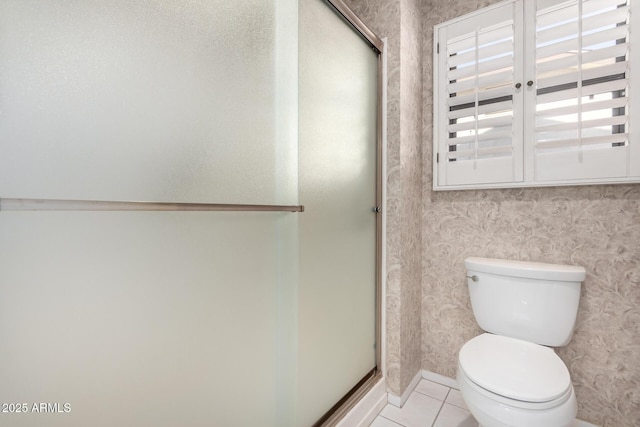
368 408
450 382
440 379
400 400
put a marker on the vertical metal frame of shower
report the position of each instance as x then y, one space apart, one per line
333 416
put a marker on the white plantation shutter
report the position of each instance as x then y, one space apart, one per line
537 92
582 86
477 131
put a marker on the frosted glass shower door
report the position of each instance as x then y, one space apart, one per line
337 247
148 318
179 101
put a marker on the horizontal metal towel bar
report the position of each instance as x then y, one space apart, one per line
9 204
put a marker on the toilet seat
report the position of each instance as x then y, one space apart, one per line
517 370
512 403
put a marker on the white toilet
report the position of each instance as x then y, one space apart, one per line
510 377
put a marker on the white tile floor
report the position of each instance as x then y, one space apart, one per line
429 405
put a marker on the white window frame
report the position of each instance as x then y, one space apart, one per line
524 130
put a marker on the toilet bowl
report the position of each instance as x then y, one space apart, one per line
510 376
507 382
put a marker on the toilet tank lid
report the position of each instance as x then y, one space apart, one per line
526 269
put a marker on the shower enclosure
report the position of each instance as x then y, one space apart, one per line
189 211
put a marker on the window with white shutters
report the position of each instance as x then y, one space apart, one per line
581 76
478 105
534 93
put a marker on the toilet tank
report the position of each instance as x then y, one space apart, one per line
532 301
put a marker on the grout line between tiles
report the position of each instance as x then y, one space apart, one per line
444 385
393 421
435 420
458 406
454 404
433 397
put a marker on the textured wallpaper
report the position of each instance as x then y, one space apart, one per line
411 170
597 227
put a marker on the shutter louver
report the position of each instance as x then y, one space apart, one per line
479 100
582 108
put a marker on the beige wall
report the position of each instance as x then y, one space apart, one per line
594 226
